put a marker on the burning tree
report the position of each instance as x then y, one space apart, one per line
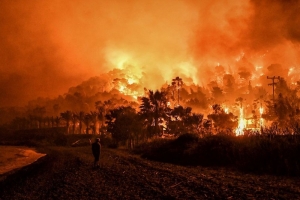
222 121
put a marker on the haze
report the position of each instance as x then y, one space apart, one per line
47 47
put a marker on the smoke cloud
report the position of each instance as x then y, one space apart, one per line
47 47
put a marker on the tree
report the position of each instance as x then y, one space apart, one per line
154 107
147 114
101 107
192 122
184 121
222 121
67 116
177 83
197 99
52 121
285 111
39 113
178 116
217 94
123 123
57 121
74 120
87 121
94 119
80 116
282 88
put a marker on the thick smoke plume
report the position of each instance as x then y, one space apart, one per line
48 46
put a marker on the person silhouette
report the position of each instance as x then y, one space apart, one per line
96 149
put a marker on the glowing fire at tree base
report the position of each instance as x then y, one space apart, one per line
242 124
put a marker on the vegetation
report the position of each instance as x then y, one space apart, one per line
165 114
279 155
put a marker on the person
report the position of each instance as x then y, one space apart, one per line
96 149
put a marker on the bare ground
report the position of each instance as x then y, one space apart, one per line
67 173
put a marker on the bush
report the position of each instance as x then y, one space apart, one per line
279 155
215 151
168 150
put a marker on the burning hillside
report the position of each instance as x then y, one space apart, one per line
224 53
47 47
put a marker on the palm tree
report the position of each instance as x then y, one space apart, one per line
52 121
101 111
57 121
94 119
39 113
74 119
154 107
87 121
80 116
67 116
124 125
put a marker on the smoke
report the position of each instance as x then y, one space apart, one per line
47 47
263 32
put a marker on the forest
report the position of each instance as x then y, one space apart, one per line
122 110
234 125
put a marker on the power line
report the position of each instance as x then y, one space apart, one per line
178 83
273 83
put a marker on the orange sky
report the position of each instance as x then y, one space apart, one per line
48 46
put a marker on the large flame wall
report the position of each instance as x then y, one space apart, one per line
48 46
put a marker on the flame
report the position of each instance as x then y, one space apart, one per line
261 110
261 120
131 80
122 88
226 110
291 70
240 56
242 123
168 103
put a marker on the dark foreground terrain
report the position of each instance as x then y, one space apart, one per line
66 173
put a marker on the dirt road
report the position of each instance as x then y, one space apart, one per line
67 173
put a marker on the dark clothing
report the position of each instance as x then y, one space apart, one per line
96 148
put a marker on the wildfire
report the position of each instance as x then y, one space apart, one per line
226 110
125 90
261 110
131 80
291 70
261 120
242 123
122 88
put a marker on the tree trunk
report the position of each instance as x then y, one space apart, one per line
80 127
68 125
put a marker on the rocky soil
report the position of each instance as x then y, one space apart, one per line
67 173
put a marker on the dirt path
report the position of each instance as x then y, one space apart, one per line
66 173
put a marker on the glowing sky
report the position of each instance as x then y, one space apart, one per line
48 46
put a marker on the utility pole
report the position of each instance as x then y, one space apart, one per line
178 83
273 82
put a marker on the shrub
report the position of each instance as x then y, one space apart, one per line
279 155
